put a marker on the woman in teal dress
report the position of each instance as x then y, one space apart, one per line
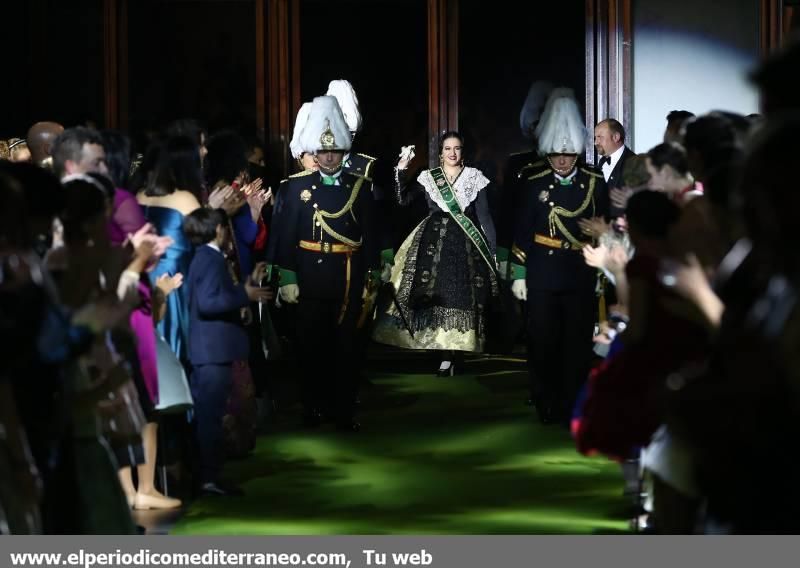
170 181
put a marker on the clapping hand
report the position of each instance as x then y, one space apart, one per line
595 256
594 227
619 197
147 233
257 200
218 197
167 283
252 187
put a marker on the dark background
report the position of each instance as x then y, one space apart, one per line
196 58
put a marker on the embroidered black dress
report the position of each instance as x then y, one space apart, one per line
442 281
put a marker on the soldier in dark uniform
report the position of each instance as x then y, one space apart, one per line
328 252
363 165
515 168
547 266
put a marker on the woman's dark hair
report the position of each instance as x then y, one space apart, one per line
44 196
767 201
118 156
170 165
651 213
718 139
450 134
227 157
669 154
14 229
85 200
105 184
634 172
715 135
678 116
188 127
200 226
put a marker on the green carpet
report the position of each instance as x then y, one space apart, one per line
460 455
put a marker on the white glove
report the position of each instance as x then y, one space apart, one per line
386 274
289 293
519 289
406 155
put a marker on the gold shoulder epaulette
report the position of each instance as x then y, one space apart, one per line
370 158
541 174
530 166
591 173
301 174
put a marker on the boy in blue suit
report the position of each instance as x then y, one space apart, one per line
217 336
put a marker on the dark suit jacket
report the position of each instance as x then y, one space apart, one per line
615 179
216 332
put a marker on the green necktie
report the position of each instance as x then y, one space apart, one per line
328 180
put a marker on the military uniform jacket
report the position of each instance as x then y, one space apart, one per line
552 210
360 165
349 213
509 200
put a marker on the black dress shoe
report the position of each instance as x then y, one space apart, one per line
348 426
447 372
221 489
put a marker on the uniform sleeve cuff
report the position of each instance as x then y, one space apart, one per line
287 277
517 272
387 257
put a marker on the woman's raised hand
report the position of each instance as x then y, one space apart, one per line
406 155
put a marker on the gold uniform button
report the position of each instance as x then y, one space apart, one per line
551 186
317 223
313 187
552 204
550 253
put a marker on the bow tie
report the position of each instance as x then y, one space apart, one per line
605 160
328 180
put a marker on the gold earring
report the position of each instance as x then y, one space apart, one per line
441 161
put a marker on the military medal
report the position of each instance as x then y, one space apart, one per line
544 196
305 195
441 182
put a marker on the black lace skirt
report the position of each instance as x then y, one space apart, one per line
443 288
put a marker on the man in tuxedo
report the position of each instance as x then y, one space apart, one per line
609 139
217 336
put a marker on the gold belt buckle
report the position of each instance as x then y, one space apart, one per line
326 247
